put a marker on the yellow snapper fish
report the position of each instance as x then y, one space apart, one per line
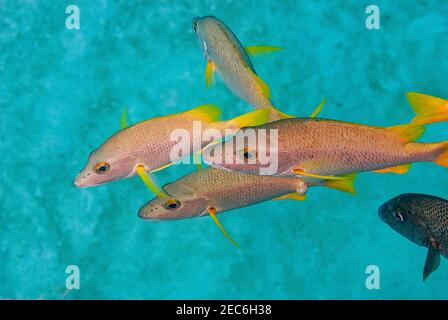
323 149
211 191
145 146
226 55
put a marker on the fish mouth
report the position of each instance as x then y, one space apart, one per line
79 182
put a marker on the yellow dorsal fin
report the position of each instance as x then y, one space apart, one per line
124 118
264 88
206 112
429 109
408 132
301 172
209 74
292 196
212 212
346 183
402 169
259 50
149 182
319 108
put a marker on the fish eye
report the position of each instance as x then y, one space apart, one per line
171 204
102 167
247 154
398 214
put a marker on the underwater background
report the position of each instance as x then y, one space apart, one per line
61 95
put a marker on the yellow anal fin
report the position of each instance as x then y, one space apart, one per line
124 119
319 108
317 176
264 88
408 132
292 196
146 178
212 212
429 109
346 183
209 74
401 169
259 50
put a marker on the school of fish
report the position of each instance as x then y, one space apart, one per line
309 151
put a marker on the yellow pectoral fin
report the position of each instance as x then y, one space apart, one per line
259 50
150 183
292 196
346 183
319 108
402 169
301 172
212 212
124 118
209 74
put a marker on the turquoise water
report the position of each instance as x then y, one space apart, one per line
61 95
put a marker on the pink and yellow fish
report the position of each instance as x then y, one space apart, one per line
212 191
320 148
145 146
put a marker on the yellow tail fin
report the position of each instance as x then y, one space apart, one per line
429 109
346 184
206 112
250 119
442 158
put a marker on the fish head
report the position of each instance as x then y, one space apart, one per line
180 207
205 29
249 151
403 214
103 166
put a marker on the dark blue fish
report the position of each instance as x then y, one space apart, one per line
423 219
